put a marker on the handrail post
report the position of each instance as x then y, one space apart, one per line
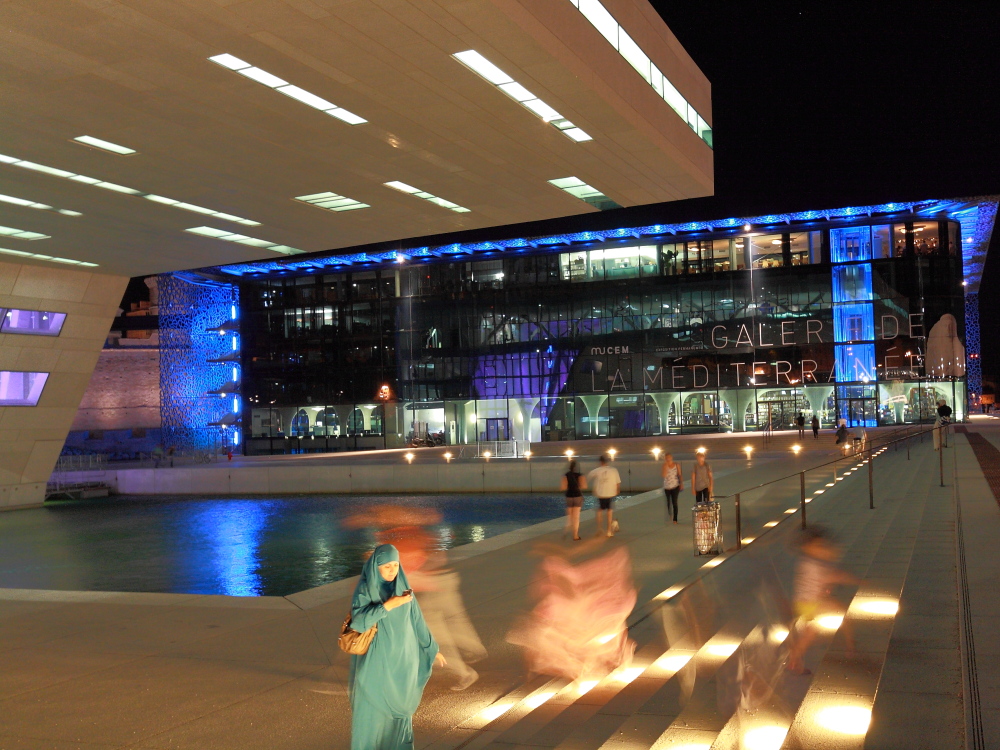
739 524
941 458
871 482
802 496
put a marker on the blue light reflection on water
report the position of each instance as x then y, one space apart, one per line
237 546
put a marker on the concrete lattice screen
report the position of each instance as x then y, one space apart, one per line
188 310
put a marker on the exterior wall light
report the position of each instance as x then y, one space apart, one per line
612 453
447 457
796 449
409 458
527 455
656 453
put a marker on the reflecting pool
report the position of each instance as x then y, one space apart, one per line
270 546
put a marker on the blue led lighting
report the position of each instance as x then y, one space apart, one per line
973 364
855 363
975 214
191 312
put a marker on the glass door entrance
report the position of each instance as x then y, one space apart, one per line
859 411
780 414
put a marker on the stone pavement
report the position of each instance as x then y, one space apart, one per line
88 670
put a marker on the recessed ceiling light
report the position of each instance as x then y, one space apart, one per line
21 234
611 30
588 194
490 72
332 202
24 164
279 84
51 259
114 148
34 204
242 239
409 189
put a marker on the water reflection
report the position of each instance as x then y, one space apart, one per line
266 546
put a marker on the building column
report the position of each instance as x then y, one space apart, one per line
663 400
32 437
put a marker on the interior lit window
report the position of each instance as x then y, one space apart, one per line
21 388
35 322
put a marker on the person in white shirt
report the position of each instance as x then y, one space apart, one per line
606 484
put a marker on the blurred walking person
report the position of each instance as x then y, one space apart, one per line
702 480
606 484
815 426
577 629
573 484
448 620
673 483
386 683
816 573
800 422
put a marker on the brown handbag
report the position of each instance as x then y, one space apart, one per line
353 642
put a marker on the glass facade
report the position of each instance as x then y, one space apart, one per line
716 331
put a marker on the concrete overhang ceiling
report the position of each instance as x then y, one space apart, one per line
137 73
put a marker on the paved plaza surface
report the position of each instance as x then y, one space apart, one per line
100 670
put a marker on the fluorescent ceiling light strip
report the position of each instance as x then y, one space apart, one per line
279 84
51 259
24 164
587 193
22 234
242 239
332 202
114 148
417 192
490 72
610 29
33 204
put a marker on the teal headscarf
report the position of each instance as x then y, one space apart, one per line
386 683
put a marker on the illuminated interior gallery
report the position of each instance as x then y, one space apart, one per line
719 325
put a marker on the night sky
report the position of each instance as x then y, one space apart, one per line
823 102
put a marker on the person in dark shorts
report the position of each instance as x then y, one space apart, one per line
606 484
800 422
573 484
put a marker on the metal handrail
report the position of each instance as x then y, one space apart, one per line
870 450
820 466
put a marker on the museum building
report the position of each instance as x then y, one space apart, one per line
866 314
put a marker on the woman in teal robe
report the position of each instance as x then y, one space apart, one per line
386 684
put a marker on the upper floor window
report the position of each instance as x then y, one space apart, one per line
36 322
21 388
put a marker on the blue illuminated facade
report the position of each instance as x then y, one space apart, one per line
200 363
718 325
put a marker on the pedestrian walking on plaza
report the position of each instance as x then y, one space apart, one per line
606 484
941 424
842 432
385 684
573 484
815 426
673 483
800 422
702 481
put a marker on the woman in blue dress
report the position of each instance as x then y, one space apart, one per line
386 683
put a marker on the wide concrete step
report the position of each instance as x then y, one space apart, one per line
719 676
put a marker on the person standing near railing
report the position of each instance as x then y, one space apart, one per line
673 483
702 480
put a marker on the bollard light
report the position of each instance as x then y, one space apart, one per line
701 449
796 449
527 455
748 449
612 452
656 453
486 455
569 453
447 457
409 458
